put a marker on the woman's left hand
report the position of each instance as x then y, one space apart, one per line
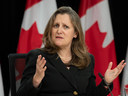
111 74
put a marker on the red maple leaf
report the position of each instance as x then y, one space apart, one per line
126 89
86 4
30 3
29 39
126 85
94 40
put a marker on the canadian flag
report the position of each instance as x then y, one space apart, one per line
124 84
36 15
1 83
96 24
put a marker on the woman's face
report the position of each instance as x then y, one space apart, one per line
63 31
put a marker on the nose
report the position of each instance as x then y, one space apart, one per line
59 31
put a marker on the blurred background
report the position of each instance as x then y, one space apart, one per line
12 17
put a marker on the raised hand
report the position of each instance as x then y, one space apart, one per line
111 74
40 71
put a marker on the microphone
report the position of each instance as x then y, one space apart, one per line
105 83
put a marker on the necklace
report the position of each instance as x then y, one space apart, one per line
65 58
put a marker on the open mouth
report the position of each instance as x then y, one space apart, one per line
59 37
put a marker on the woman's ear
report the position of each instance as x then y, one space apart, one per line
75 35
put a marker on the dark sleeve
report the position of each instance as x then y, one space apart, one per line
26 87
92 89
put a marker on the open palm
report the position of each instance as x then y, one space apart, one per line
111 74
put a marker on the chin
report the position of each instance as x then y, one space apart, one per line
59 44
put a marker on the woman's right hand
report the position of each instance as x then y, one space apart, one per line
40 71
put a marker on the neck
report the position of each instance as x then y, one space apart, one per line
65 59
64 53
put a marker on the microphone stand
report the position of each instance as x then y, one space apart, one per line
105 83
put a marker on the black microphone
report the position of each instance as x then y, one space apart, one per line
105 82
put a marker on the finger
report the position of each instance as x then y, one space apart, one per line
38 59
110 66
122 62
45 68
43 61
120 65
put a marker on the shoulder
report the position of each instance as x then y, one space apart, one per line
36 52
90 55
92 63
33 54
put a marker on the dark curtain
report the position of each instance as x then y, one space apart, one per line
12 15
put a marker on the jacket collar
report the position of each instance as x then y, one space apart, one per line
56 61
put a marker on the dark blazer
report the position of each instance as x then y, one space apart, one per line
58 80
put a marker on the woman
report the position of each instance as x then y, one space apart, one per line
64 67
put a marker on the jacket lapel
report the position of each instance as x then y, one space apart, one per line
56 61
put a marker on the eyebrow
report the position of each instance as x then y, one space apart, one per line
62 23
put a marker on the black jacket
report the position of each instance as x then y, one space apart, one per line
58 80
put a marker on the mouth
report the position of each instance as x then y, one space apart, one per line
59 37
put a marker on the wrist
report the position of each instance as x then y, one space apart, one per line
36 82
106 83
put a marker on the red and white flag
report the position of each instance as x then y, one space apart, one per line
1 83
97 27
124 84
36 15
